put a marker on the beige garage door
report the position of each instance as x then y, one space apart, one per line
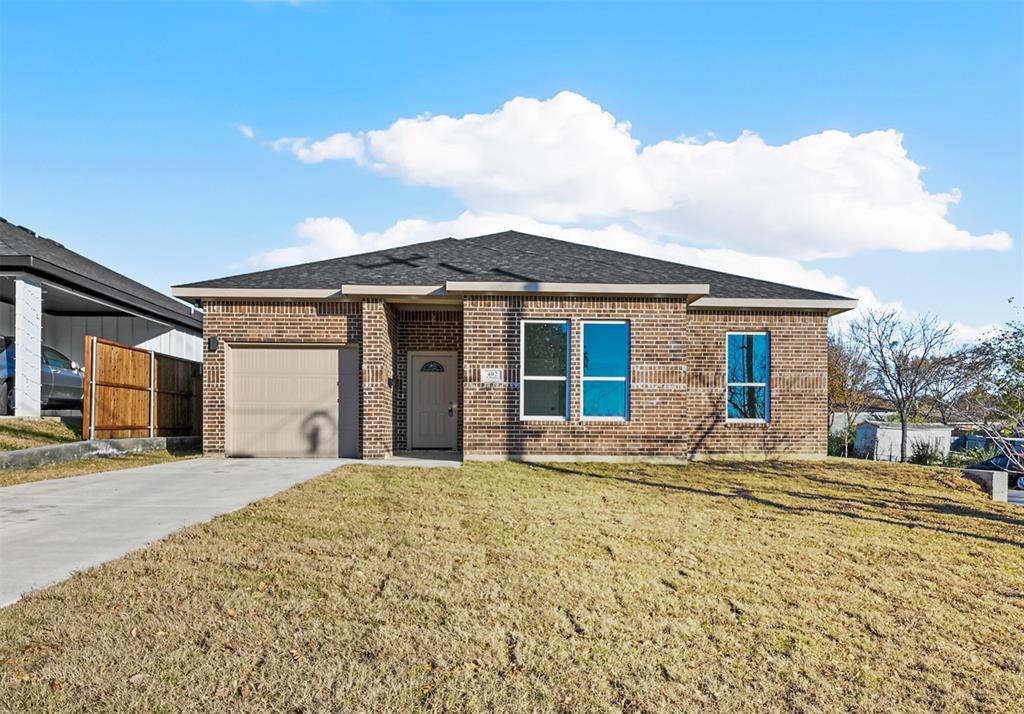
292 401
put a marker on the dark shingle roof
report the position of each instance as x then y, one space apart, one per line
510 256
22 249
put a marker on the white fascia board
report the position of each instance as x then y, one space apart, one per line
389 290
832 306
282 293
578 288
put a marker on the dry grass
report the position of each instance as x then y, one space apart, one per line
730 587
27 433
11 477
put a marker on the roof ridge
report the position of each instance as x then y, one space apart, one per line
581 257
322 261
634 256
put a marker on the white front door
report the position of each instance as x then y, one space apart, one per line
433 401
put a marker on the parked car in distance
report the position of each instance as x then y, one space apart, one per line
62 382
1002 463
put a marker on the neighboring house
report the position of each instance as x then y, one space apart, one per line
511 346
880 440
869 414
52 296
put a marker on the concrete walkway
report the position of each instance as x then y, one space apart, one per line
1015 497
50 529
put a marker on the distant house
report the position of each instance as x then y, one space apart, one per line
880 440
511 346
869 414
52 297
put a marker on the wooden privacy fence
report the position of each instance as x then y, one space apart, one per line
132 392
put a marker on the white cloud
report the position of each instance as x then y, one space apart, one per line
566 160
329 237
246 131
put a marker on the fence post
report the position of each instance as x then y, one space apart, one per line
152 393
87 397
90 355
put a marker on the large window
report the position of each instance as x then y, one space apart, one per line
545 363
748 359
605 370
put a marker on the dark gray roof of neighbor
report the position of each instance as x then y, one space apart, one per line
22 250
510 256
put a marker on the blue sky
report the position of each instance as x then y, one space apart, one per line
120 135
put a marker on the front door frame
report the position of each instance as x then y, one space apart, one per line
409 392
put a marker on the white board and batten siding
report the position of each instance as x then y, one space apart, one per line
66 334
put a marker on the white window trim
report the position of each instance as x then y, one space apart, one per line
522 369
766 384
584 379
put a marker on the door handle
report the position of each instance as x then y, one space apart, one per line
451 408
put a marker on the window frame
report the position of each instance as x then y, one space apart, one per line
766 384
627 378
523 378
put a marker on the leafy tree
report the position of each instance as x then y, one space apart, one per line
849 383
999 389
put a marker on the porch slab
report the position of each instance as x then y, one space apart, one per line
418 459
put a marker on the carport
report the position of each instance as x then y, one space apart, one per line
50 295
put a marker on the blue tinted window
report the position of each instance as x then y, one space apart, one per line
748 365
604 398
605 349
748 403
748 358
606 370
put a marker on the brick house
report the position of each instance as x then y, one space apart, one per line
511 346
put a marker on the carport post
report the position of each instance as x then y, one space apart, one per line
28 345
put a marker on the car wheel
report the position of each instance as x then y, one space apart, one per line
6 399
1020 482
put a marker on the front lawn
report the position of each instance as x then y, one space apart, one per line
27 433
569 587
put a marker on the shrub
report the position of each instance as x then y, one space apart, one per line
838 442
960 459
925 453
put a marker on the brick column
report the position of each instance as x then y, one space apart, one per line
377 374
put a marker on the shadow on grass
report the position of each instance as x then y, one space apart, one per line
942 509
21 432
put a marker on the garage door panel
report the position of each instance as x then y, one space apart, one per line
284 401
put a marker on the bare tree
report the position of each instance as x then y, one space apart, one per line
902 356
954 383
849 383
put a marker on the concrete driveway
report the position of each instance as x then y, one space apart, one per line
50 529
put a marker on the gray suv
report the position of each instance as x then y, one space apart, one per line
62 382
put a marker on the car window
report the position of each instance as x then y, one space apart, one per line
55 358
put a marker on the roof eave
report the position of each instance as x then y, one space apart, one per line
111 295
832 306
624 289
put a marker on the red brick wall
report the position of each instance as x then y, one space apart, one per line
423 330
266 321
379 337
678 373
798 383
658 399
